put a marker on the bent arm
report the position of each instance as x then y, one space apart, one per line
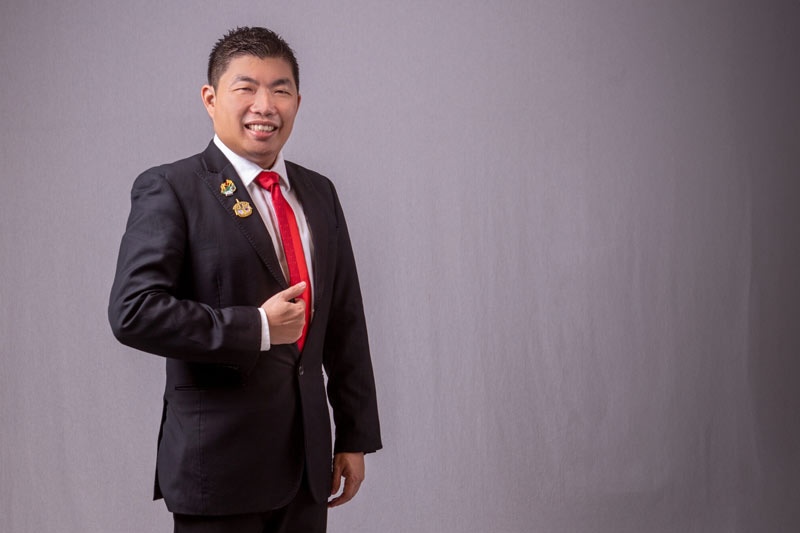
150 308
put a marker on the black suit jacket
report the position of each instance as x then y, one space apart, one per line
240 426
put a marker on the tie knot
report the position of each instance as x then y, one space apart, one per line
267 179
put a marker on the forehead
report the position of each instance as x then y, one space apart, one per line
261 69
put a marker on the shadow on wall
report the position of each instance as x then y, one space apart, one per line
774 352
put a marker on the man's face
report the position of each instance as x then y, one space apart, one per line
253 107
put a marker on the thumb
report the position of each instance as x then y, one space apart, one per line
294 291
336 479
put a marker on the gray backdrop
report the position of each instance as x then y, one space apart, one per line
576 227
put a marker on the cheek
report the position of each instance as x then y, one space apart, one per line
288 118
232 119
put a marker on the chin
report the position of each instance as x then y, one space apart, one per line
262 159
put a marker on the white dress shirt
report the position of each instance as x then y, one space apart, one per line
248 171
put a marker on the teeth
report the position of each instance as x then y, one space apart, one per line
261 127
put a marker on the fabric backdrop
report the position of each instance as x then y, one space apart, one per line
576 227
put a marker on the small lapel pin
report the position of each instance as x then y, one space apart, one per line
242 209
227 188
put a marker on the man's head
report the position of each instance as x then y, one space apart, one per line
252 93
259 42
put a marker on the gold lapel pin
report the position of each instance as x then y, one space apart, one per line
242 209
227 188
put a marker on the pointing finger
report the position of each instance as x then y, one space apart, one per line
294 291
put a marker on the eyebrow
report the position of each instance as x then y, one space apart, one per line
244 78
280 82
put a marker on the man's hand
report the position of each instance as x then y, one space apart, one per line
349 466
285 315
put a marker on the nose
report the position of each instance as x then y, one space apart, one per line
263 102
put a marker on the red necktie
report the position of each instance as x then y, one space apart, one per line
292 244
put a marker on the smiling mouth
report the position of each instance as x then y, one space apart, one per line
264 128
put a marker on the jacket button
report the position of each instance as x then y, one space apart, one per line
300 370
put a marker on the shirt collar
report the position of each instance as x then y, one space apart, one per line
248 170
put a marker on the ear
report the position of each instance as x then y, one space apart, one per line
209 97
299 97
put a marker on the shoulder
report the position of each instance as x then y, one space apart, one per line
296 171
171 187
306 179
182 169
182 177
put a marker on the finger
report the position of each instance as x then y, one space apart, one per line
351 487
294 291
336 478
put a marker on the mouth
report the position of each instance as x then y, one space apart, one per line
261 128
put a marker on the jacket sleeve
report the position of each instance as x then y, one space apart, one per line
146 310
346 357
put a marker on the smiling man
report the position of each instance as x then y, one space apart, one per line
236 266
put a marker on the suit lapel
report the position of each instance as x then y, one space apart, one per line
217 170
318 225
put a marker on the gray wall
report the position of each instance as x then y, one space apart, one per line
576 228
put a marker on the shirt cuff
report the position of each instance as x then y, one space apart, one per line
265 341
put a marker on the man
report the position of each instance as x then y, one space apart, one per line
236 266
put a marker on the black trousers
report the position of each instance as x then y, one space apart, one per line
302 515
